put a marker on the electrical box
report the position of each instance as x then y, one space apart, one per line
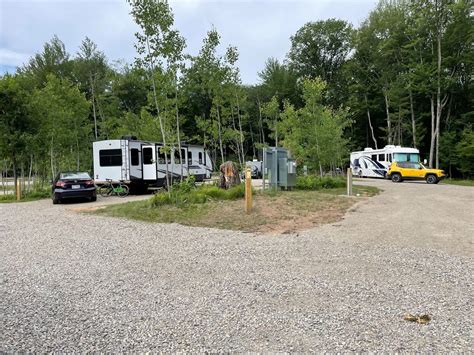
280 170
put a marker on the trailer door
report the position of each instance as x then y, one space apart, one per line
149 162
135 161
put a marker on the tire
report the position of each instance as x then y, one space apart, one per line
396 177
105 191
360 174
56 201
431 179
93 198
124 192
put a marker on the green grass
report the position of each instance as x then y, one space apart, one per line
34 195
274 211
459 182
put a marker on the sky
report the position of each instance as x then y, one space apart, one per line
259 28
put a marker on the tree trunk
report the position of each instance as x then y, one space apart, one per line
389 123
260 120
237 140
178 134
220 133
241 133
413 123
370 122
30 170
162 128
93 105
433 131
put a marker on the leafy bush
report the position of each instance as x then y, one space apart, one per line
187 193
312 182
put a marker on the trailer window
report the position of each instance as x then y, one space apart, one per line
134 156
177 160
381 157
200 157
110 157
148 155
190 158
161 157
374 157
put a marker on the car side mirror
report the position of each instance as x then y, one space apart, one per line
425 161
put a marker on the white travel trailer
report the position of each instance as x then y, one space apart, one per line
141 163
375 162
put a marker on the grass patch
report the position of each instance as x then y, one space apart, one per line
312 182
459 182
34 195
274 211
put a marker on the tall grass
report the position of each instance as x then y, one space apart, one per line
187 193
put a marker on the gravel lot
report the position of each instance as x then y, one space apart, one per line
75 282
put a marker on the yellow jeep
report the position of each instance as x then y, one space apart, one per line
399 171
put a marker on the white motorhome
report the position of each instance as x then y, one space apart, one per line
375 162
141 163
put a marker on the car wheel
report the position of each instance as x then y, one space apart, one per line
431 179
93 198
396 177
55 201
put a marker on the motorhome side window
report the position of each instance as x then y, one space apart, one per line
110 157
389 157
190 158
200 157
374 157
381 157
135 157
148 155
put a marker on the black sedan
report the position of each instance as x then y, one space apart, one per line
73 185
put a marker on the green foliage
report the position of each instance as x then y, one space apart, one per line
315 133
186 193
311 182
465 153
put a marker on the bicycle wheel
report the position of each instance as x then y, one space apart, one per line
123 190
105 190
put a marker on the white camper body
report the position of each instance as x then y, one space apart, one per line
375 162
141 163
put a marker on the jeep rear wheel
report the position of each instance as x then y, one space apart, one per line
431 179
396 177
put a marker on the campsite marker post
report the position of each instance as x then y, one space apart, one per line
349 182
248 191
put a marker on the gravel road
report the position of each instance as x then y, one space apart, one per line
76 282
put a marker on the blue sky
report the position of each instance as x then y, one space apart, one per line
259 28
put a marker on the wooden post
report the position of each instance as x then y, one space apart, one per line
248 191
18 189
349 182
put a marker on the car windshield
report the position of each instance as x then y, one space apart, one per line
77 175
411 157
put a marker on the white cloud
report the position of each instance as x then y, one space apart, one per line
12 58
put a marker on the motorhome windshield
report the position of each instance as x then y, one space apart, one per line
411 157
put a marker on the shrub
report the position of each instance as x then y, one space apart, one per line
184 193
312 182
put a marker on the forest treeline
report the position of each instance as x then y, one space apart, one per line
403 77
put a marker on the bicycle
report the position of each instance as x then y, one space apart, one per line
109 189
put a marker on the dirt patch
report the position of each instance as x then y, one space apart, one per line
287 212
